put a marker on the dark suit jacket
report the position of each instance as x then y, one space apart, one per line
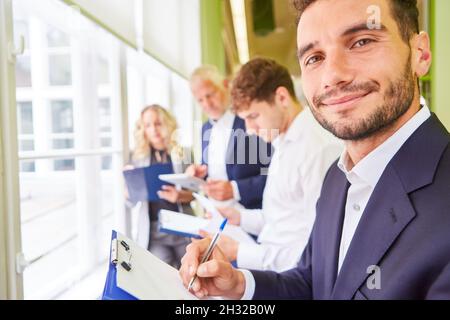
405 231
247 159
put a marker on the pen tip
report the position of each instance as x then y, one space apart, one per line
223 224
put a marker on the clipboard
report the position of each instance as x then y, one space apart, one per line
144 183
184 225
136 274
111 290
183 180
181 224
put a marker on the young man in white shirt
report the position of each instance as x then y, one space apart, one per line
263 95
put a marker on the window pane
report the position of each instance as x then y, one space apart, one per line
49 229
103 71
106 163
57 38
106 142
64 165
60 70
26 145
25 117
105 115
62 116
62 144
50 211
27 166
23 71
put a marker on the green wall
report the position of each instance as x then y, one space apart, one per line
440 74
211 33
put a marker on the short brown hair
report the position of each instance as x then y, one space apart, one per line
257 81
404 12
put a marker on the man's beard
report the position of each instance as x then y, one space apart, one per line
397 100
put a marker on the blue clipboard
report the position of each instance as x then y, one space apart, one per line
144 183
111 290
179 233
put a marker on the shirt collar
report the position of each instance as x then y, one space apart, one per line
371 167
294 131
227 118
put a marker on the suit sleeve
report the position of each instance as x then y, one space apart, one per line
440 290
294 284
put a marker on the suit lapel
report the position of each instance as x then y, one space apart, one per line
206 136
387 213
332 229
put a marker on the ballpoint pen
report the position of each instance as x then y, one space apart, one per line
209 251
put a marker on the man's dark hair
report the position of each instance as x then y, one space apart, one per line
257 81
404 12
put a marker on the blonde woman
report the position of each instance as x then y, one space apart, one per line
156 143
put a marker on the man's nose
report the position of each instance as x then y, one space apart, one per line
336 70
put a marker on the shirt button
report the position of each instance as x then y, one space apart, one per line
356 207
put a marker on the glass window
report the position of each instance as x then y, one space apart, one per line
27 166
57 38
23 71
68 204
26 145
106 163
25 117
60 70
102 70
62 116
59 144
64 165
105 115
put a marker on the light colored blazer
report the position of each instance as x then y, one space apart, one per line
179 166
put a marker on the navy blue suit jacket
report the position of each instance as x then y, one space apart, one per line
247 160
405 231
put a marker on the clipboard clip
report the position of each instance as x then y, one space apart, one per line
114 252
126 265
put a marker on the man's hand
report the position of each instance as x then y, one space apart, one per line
227 245
199 171
220 190
171 194
216 277
232 214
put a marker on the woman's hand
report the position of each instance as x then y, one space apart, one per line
199 171
171 194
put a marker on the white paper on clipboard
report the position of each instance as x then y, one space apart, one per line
208 205
149 278
183 180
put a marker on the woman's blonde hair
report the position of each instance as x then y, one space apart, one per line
143 146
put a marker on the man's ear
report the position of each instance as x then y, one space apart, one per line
422 56
226 83
282 96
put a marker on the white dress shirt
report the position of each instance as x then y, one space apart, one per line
363 178
217 151
302 157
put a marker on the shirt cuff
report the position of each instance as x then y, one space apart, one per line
236 194
250 256
252 220
249 285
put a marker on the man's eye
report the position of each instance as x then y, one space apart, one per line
362 43
312 60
